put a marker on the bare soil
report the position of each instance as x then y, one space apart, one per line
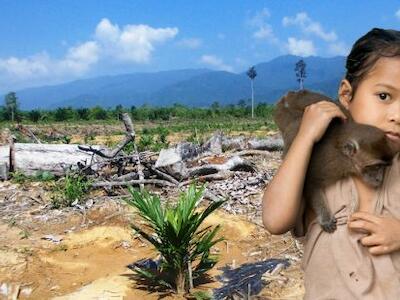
97 244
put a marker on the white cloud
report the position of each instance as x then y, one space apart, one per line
191 43
215 62
263 30
309 26
79 59
300 47
132 44
26 67
397 14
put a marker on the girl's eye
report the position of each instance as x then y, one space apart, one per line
383 96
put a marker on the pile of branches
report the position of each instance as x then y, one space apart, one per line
174 167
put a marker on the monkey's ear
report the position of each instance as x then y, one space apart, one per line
350 147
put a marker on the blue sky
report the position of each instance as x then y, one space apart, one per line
49 42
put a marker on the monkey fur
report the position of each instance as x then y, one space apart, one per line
346 148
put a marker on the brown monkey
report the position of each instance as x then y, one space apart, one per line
345 149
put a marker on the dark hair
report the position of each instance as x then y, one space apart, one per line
367 50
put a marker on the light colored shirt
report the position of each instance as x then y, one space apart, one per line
337 265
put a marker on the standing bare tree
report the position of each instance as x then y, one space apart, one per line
251 72
300 70
11 104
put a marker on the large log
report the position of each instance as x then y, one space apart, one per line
55 158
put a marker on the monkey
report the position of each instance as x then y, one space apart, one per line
346 148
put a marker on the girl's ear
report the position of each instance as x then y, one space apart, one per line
345 93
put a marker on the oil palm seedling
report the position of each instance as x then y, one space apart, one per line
174 231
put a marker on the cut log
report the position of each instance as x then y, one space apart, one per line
55 158
274 143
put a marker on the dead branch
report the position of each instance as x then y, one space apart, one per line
223 175
233 164
129 136
158 182
162 174
249 152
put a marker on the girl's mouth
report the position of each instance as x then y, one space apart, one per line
394 137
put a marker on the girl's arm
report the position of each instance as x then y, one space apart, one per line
282 197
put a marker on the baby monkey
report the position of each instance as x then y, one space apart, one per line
347 148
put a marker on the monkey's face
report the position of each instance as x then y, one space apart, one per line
373 174
369 159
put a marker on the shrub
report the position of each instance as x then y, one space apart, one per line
174 232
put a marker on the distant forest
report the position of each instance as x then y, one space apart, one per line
10 112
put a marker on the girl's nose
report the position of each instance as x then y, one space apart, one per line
394 112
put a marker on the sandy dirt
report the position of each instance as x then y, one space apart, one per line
90 260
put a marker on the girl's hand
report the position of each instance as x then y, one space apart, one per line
383 232
316 119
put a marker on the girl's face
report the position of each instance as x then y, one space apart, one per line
377 98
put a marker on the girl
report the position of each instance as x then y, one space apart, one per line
361 259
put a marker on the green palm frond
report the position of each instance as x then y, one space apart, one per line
175 231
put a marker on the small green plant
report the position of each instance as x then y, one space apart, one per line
24 234
66 139
19 177
72 187
201 295
145 142
44 176
174 232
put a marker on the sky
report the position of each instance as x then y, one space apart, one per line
47 42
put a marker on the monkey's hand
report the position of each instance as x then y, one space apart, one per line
316 119
328 223
383 232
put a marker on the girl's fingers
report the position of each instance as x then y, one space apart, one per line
362 215
335 111
370 240
378 250
362 226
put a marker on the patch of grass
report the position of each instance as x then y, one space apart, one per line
202 295
21 178
70 188
44 176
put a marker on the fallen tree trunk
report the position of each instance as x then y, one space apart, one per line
241 143
55 158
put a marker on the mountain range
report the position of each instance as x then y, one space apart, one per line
191 87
